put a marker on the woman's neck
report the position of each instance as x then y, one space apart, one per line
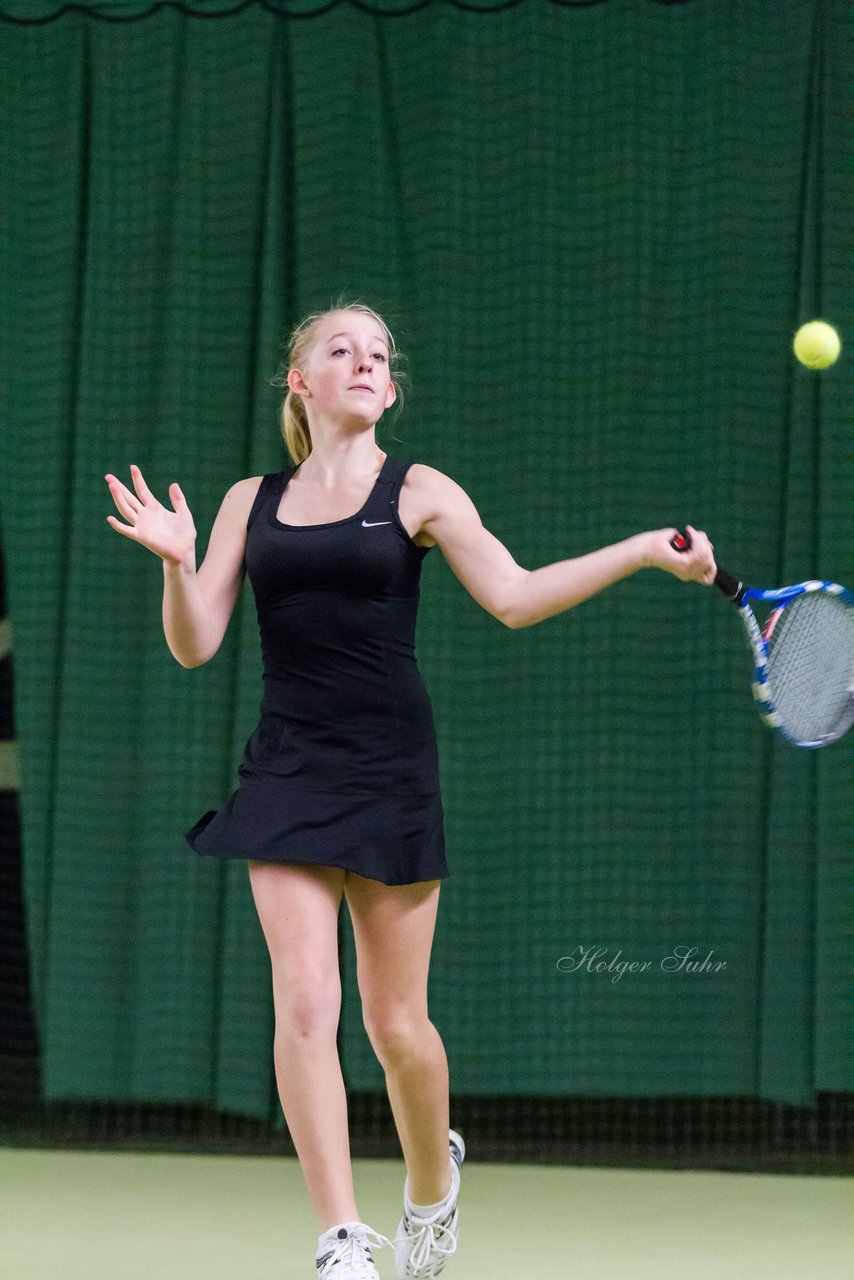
335 459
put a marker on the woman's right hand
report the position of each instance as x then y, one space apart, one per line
169 534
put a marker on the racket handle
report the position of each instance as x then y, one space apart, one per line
729 586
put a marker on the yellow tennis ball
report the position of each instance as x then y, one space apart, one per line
817 344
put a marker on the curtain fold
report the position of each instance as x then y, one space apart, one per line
594 232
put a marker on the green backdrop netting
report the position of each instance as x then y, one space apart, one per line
594 232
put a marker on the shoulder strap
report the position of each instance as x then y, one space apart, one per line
388 486
267 488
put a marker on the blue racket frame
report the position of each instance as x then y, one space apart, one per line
739 594
763 691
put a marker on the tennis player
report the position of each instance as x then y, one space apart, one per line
338 790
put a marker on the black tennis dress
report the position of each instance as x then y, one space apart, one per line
342 768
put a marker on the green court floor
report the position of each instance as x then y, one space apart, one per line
89 1216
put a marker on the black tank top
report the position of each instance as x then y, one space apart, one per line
337 604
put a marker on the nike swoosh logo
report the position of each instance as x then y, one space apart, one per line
372 524
321 1262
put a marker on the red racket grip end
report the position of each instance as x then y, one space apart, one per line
681 540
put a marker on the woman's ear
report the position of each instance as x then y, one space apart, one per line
297 383
390 395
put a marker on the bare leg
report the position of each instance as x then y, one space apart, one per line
393 927
298 909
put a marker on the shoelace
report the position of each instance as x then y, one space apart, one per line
354 1251
427 1242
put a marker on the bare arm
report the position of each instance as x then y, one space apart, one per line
520 597
197 606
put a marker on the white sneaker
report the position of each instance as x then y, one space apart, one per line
422 1246
344 1252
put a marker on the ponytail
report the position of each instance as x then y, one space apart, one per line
295 432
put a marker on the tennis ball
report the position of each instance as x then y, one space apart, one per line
817 344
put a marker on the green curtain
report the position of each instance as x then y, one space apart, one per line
594 230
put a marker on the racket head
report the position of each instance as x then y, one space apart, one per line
804 661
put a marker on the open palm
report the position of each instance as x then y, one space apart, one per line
169 534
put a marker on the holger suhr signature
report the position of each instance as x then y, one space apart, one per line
679 960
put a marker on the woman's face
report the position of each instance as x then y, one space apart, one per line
347 370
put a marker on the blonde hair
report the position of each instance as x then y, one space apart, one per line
292 414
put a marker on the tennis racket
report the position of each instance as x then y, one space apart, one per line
803 657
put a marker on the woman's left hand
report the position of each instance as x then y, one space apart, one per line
697 564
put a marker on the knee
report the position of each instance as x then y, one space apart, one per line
307 1008
396 1034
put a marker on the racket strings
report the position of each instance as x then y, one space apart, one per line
811 667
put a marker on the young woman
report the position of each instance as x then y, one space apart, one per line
339 783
